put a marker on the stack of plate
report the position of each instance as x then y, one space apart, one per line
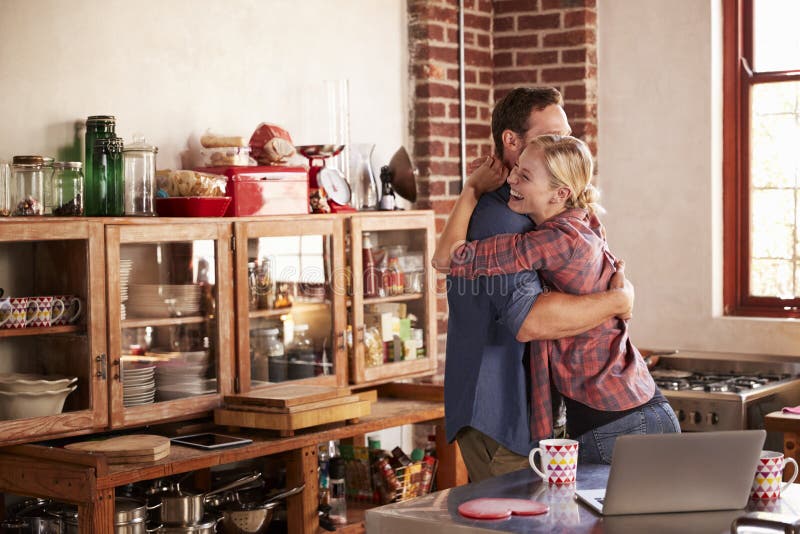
125 267
164 300
138 384
180 378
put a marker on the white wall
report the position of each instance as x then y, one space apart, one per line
660 173
173 68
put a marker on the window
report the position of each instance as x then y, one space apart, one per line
762 157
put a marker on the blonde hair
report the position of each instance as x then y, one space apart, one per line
569 162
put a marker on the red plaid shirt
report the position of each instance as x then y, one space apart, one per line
600 368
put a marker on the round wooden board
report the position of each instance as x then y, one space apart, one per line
138 459
142 445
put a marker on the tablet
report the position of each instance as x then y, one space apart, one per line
209 440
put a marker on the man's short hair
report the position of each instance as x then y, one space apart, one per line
514 109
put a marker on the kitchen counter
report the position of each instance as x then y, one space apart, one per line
437 513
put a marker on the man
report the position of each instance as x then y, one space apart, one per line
487 407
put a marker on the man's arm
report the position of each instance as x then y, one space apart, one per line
556 315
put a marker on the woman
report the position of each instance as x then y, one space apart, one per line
603 378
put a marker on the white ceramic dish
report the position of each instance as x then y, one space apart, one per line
21 405
30 383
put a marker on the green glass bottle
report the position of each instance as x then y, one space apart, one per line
116 186
97 127
102 175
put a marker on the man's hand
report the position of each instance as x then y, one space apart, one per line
619 282
490 175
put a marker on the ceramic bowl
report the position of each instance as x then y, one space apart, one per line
21 405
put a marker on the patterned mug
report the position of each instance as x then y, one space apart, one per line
768 482
49 310
559 459
17 312
73 309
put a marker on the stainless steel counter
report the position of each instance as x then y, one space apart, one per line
438 513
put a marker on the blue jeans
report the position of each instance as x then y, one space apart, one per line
597 446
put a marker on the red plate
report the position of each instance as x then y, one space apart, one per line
192 206
500 508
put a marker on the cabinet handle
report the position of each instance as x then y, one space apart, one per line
101 363
341 336
359 334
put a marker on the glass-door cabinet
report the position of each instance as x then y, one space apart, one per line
170 300
290 301
393 298
53 365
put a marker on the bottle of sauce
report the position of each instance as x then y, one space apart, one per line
371 274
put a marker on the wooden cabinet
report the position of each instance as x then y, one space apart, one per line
379 311
290 286
38 259
170 324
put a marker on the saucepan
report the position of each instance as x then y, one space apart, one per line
181 508
240 515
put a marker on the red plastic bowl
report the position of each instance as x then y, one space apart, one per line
192 206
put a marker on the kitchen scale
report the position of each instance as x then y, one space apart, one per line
328 191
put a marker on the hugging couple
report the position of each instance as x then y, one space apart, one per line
538 305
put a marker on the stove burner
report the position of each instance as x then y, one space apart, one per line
716 387
672 384
717 382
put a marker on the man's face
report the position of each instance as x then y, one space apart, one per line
550 120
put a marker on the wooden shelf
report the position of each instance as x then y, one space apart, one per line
300 307
42 331
163 321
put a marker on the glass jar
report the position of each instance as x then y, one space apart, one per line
97 127
301 354
116 184
363 178
252 286
27 186
276 356
5 189
48 168
139 161
97 187
67 189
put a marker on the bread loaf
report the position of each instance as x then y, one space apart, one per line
270 144
210 140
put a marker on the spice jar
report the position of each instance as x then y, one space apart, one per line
27 186
67 189
139 161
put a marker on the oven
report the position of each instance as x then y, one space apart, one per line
727 393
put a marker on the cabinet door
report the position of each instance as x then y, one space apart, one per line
52 339
170 315
393 296
290 299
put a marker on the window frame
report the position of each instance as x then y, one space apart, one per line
738 78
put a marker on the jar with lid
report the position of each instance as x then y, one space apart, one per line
139 161
116 184
301 354
5 189
276 356
48 168
27 186
97 127
67 189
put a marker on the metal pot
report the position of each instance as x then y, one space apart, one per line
130 516
180 508
242 517
208 525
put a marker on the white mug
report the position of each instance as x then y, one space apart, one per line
559 460
769 474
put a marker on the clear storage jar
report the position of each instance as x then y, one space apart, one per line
5 189
48 167
68 189
139 160
27 186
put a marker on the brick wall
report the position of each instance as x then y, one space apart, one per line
508 43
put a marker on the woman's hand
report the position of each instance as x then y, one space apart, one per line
490 175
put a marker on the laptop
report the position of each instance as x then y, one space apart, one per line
689 472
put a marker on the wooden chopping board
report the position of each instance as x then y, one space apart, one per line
288 395
127 449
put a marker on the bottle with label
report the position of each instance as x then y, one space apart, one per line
387 191
371 275
338 495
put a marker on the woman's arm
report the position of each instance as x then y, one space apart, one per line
488 177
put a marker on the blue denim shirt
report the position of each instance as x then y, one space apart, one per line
486 381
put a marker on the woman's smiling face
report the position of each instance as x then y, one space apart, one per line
532 192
